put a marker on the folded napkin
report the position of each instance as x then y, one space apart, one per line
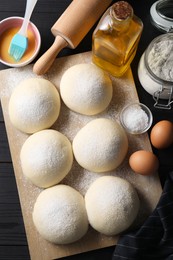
154 239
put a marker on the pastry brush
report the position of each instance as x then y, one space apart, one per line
19 42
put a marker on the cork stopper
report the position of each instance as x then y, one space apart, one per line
121 10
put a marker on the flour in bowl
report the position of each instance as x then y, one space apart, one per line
160 59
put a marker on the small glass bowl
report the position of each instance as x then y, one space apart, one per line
136 118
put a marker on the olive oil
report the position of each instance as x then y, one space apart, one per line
115 39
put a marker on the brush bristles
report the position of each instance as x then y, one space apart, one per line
18 46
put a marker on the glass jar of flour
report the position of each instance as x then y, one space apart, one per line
155 70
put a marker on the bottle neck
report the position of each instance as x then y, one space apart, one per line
121 14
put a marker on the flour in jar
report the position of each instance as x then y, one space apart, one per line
160 59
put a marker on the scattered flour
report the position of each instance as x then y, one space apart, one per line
11 81
69 123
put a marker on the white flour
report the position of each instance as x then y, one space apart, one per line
160 59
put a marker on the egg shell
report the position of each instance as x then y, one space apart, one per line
161 135
144 162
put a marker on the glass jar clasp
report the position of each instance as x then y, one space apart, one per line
159 97
170 30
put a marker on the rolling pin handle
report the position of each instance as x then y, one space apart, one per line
46 60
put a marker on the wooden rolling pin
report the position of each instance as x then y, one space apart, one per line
71 28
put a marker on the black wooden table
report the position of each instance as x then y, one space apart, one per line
13 243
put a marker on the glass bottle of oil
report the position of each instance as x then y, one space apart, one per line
115 39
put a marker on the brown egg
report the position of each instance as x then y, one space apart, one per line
161 135
144 162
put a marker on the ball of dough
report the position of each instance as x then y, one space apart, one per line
86 89
34 105
59 215
112 205
101 145
46 157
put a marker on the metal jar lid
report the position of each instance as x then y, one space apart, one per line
162 15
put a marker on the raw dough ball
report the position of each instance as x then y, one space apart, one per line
112 205
101 145
59 215
34 105
86 89
46 157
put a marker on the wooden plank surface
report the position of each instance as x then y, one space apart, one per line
12 231
148 188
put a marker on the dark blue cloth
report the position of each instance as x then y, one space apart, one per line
154 239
